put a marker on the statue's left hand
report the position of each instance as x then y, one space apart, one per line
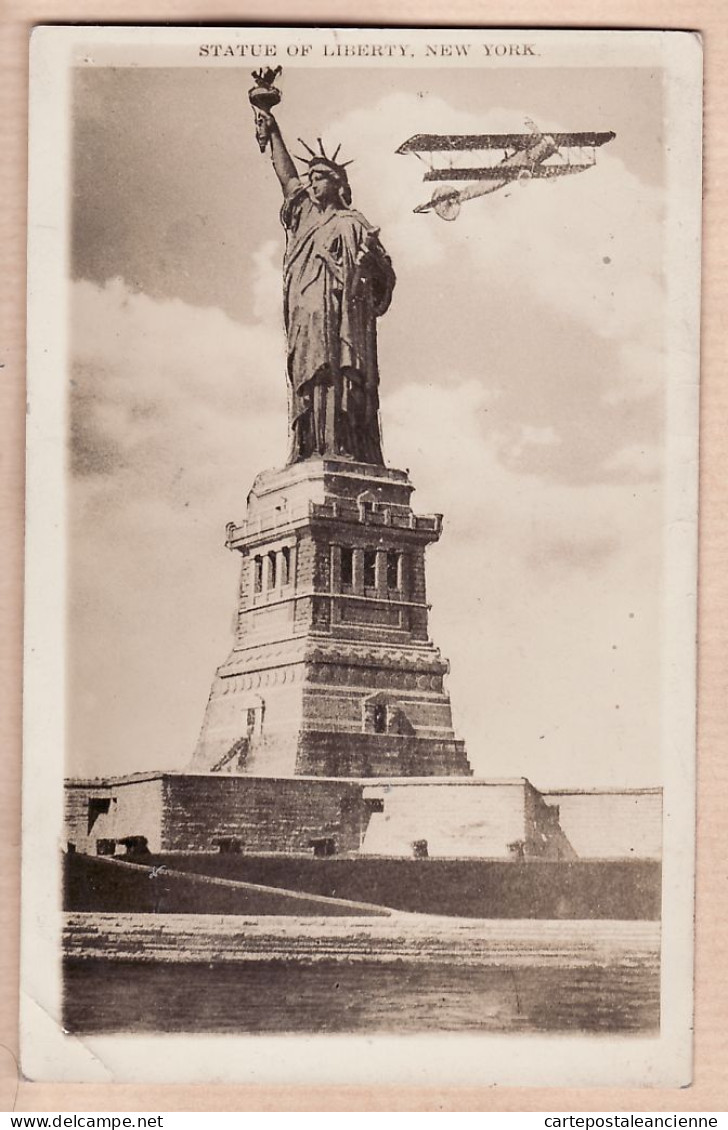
371 240
366 256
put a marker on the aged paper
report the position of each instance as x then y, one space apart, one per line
537 375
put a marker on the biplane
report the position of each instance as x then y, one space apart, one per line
452 157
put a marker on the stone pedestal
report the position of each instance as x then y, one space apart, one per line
332 673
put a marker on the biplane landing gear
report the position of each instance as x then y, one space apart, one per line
446 203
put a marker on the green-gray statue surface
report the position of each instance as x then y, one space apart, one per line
338 280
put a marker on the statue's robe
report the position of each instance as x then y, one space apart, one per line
331 304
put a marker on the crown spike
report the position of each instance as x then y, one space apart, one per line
322 151
306 146
335 154
345 163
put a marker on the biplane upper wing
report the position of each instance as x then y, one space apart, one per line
442 142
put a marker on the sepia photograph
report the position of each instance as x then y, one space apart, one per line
362 527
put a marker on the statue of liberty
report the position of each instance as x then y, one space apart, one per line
338 280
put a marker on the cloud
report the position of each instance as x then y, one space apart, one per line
545 597
147 369
589 243
175 409
268 284
438 434
551 294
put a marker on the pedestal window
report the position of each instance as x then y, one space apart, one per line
272 570
370 568
394 570
347 566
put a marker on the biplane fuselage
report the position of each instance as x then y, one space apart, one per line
526 155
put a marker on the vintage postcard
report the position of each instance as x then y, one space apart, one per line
361 558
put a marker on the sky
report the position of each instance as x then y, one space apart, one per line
522 384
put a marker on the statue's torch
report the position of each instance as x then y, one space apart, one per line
263 97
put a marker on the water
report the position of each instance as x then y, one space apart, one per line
105 996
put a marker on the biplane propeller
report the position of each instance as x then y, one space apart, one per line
526 156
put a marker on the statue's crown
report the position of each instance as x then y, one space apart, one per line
321 158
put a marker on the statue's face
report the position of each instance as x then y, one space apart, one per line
323 188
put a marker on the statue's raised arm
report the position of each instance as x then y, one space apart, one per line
338 280
263 97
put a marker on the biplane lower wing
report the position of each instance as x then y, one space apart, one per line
440 142
504 172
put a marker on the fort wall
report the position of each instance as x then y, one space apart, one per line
400 817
